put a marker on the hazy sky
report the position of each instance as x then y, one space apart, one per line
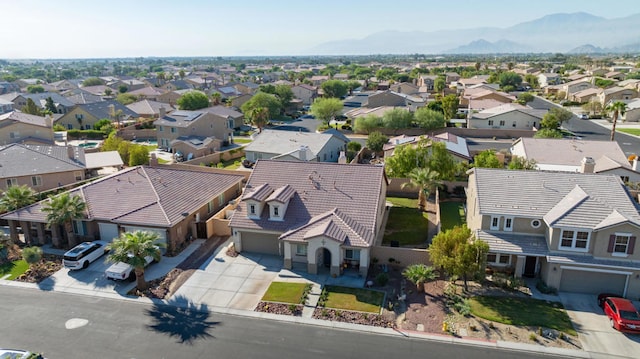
131 28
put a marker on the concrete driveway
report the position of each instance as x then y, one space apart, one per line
594 331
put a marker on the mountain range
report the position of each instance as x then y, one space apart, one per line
565 33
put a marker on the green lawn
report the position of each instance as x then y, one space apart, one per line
284 292
242 140
522 312
14 269
451 214
631 131
358 299
406 224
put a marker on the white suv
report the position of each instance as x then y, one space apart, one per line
83 254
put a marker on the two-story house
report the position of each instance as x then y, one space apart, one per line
322 216
193 132
305 93
19 127
576 231
84 116
616 94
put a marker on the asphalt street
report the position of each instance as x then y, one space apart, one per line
72 326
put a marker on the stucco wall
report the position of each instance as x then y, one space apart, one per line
406 256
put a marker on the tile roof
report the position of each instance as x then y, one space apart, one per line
506 108
40 99
223 111
282 194
17 116
590 260
179 118
259 193
335 225
347 194
27 160
564 199
152 196
102 110
149 108
281 142
512 243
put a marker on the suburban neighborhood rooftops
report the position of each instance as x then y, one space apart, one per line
562 199
155 196
18 160
179 118
280 141
26 118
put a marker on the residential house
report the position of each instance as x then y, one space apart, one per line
130 83
62 104
84 116
587 95
296 146
507 116
5 106
64 85
313 214
405 88
177 85
483 92
8 87
99 90
238 101
427 82
226 92
451 77
247 88
633 84
390 98
632 114
342 77
170 98
469 82
18 127
365 111
234 118
150 109
193 132
548 79
604 157
148 93
576 231
317 80
173 203
570 88
615 75
616 93
456 145
306 93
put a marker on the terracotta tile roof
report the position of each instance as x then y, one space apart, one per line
152 196
259 194
347 194
282 194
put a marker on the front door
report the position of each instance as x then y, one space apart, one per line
530 267
326 257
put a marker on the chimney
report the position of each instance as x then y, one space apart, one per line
48 120
153 161
343 158
71 152
587 165
112 110
163 112
634 165
303 153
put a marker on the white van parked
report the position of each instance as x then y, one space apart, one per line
83 254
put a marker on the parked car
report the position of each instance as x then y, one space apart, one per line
603 296
122 271
622 315
18 354
84 254
584 116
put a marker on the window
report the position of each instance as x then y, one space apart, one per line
513 124
490 122
79 116
252 208
495 222
625 179
14 134
501 122
173 130
230 123
210 207
574 240
69 126
36 181
221 199
353 254
301 249
77 175
535 223
12 182
160 128
508 224
499 259
621 244
276 211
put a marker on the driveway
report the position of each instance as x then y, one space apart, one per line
593 327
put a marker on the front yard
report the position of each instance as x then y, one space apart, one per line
631 131
357 299
13 269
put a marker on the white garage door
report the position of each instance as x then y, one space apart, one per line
108 231
162 233
592 282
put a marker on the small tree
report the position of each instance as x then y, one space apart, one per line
132 248
32 255
31 108
459 253
138 155
35 89
92 81
193 100
521 163
548 133
259 117
419 274
487 159
326 109
450 106
524 98
334 88
376 141
428 119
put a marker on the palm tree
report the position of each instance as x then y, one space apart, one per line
62 210
216 98
16 197
132 248
419 274
426 180
617 108
259 117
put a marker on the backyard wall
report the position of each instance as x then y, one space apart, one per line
218 224
130 133
406 256
215 158
189 167
460 131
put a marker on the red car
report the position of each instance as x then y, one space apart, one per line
623 316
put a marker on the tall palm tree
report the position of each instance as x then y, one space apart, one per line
426 180
617 108
259 117
61 210
16 197
216 98
132 248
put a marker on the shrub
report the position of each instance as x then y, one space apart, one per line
544 289
533 337
382 279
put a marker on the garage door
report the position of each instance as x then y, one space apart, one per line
108 231
260 243
592 282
